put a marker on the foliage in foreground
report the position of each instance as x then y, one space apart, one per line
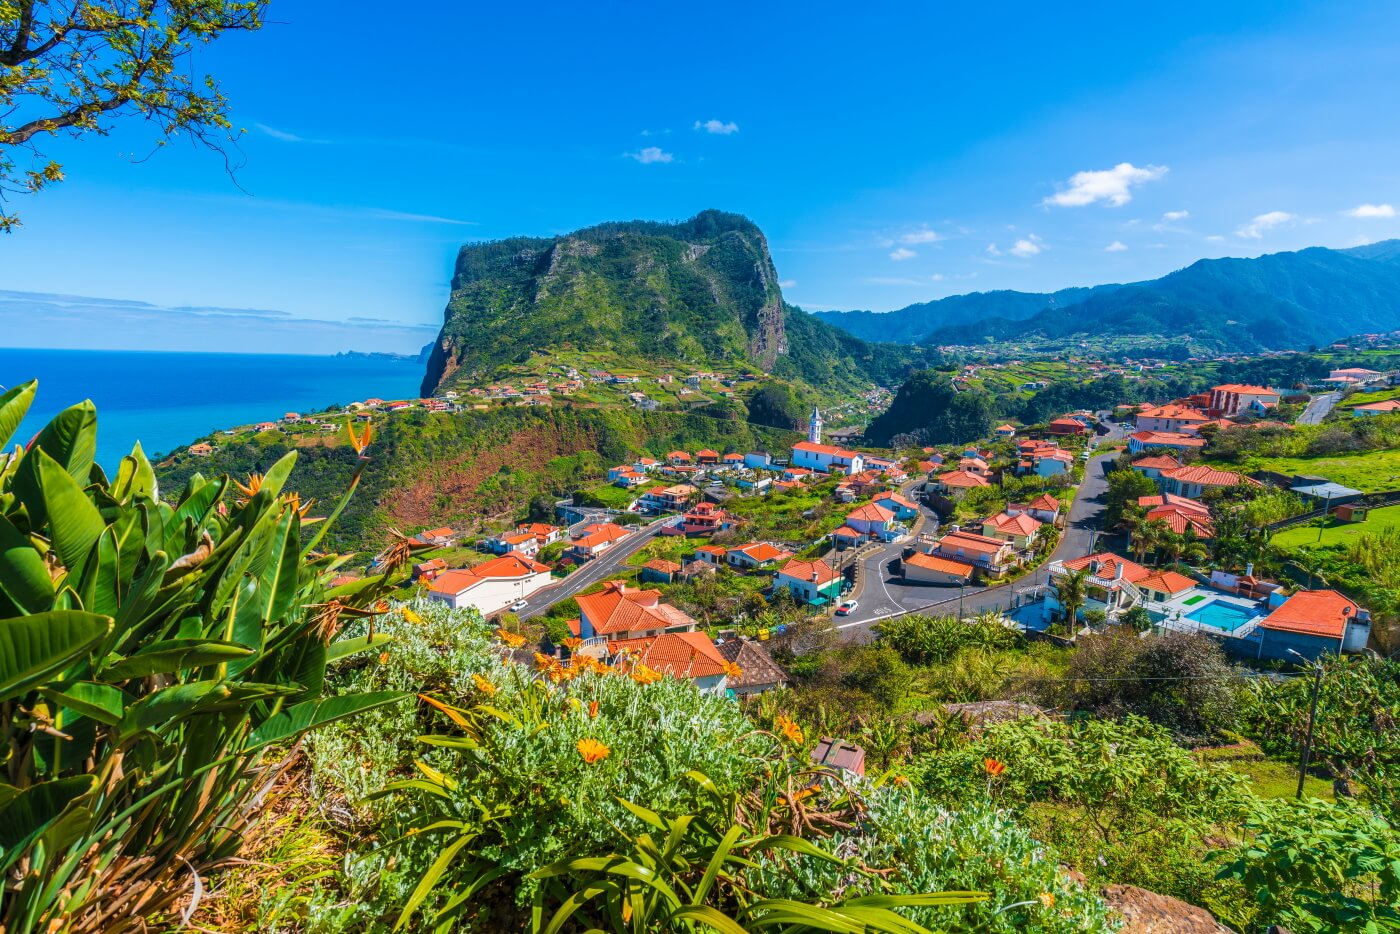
509 769
149 654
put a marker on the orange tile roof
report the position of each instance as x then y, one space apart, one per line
847 532
1167 582
1171 499
1106 564
1045 501
1168 438
972 541
1020 524
713 549
1157 461
1179 413
1179 520
762 552
934 563
706 452
505 567
813 448
616 609
1243 389
1202 475
1389 405
895 498
870 512
443 532
601 534
662 565
1313 613
803 570
681 655
960 479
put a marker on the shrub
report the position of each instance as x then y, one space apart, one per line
150 654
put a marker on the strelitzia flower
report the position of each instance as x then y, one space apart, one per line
362 441
993 767
592 751
251 487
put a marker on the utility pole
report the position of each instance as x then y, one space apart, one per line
1306 754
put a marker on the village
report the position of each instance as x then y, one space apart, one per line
1013 524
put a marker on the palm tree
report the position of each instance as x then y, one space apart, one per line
1071 589
1152 536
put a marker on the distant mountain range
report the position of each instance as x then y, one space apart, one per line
1276 302
701 293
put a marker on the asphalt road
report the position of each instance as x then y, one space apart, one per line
883 595
594 571
1318 408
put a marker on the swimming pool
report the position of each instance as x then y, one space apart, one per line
1222 615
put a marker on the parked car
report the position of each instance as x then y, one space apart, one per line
847 608
519 605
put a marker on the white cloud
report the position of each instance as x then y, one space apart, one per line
650 154
1215 238
902 254
718 127
922 235
788 284
992 250
1172 216
1263 223
937 277
1117 246
1025 248
1372 210
283 135
1113 186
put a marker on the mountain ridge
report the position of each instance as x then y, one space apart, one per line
1278 301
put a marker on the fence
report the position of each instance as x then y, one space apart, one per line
1370 501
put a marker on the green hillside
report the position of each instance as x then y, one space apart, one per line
702 292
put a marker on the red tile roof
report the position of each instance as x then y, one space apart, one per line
1389 405
896 499
762 552
680 654
961 479
1171 410
1201 475
1105 565
803 570
1313 613
662 565
1045 501
1167 438
1020 524
1167 582
503 568
1157 461
1244 389
600 534
847 532
870 512
971 541
813 448
616 609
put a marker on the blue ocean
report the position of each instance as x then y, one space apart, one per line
169 399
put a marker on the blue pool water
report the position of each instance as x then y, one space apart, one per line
1223 616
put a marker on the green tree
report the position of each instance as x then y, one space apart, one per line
1124 489
68 68
1071 589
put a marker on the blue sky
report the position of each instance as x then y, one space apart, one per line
893 153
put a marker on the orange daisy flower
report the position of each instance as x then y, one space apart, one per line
592 751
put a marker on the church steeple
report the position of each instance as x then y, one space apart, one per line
814 426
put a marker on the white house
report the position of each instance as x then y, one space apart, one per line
491 586
874 520
812 582
827 458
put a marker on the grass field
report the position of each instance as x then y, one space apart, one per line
1271 778
1370 473
1336 533
1365 398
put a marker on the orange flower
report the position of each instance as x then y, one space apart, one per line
544 662
790 730
411 616
994 767
592 709
572 642
483 685
512 639
902 781
383 657
361 442
1047 899
733 670
592 750
644 675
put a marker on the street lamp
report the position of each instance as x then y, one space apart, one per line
1312 718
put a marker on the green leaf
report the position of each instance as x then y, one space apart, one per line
71 440
24 579
430 878
13 405
34 648
347 647
74 522
277 474
102 702
169 703
174 655
308 715
710 917
28 813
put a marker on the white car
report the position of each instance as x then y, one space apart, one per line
847 608
519 605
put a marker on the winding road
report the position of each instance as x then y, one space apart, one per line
883 595
595 570
1318 408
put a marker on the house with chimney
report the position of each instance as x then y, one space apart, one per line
815 583
992 557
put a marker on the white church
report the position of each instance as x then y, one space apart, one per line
814 455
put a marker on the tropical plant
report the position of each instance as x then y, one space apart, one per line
1314 866
1071 590
149 654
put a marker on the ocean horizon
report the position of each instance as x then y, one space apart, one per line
166 399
